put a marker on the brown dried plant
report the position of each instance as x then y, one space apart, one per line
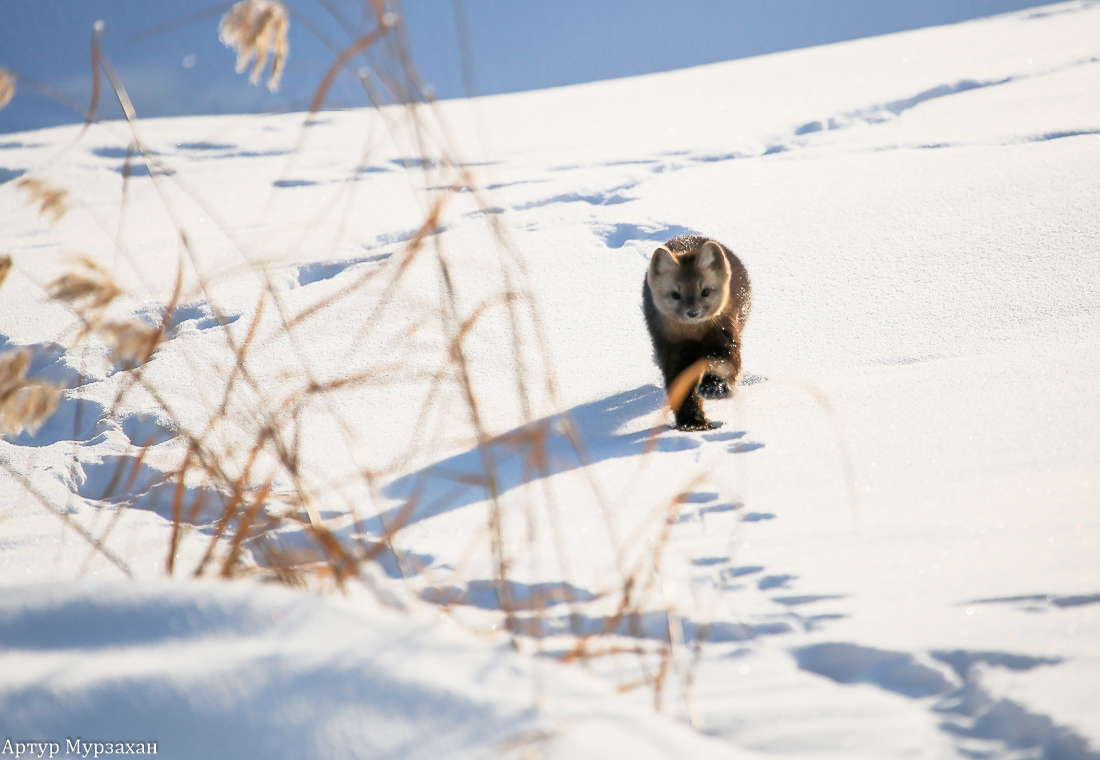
256 29
5 267
131 342
237 479
24 404
52 201
7 87
88 289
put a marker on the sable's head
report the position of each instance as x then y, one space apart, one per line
691 286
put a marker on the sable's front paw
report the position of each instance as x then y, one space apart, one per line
690 417
712 386
694 426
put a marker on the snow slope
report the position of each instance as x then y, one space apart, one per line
174 65
228 670
887 549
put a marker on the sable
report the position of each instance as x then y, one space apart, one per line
696 298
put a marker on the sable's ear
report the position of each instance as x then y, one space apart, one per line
662 261
711 257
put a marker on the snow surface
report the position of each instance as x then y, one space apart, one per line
173 64
887 549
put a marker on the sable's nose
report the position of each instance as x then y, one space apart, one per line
692 313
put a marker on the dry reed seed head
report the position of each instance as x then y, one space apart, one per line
27 409
131 343
5 267
90 288
51 200
13 372
23 405
257 28
7 87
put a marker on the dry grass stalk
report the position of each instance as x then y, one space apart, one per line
342 60
5 267
63 515
24 404
52 201
256 29
88 289
234 481
131 343
7 87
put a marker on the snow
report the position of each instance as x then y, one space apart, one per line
214 670
173 64
887 549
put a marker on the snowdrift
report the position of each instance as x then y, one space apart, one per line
888 547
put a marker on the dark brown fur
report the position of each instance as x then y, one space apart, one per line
686 327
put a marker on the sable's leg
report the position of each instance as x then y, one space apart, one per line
690 415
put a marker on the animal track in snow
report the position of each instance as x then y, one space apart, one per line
872 114
126 480
521 596
611 197
797 601
652 625
969 711
1042 602
774 581
757 516
293 183
307 274
618 235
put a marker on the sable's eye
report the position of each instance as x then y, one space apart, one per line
706 292
674 296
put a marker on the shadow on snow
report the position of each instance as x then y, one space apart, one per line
540 450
